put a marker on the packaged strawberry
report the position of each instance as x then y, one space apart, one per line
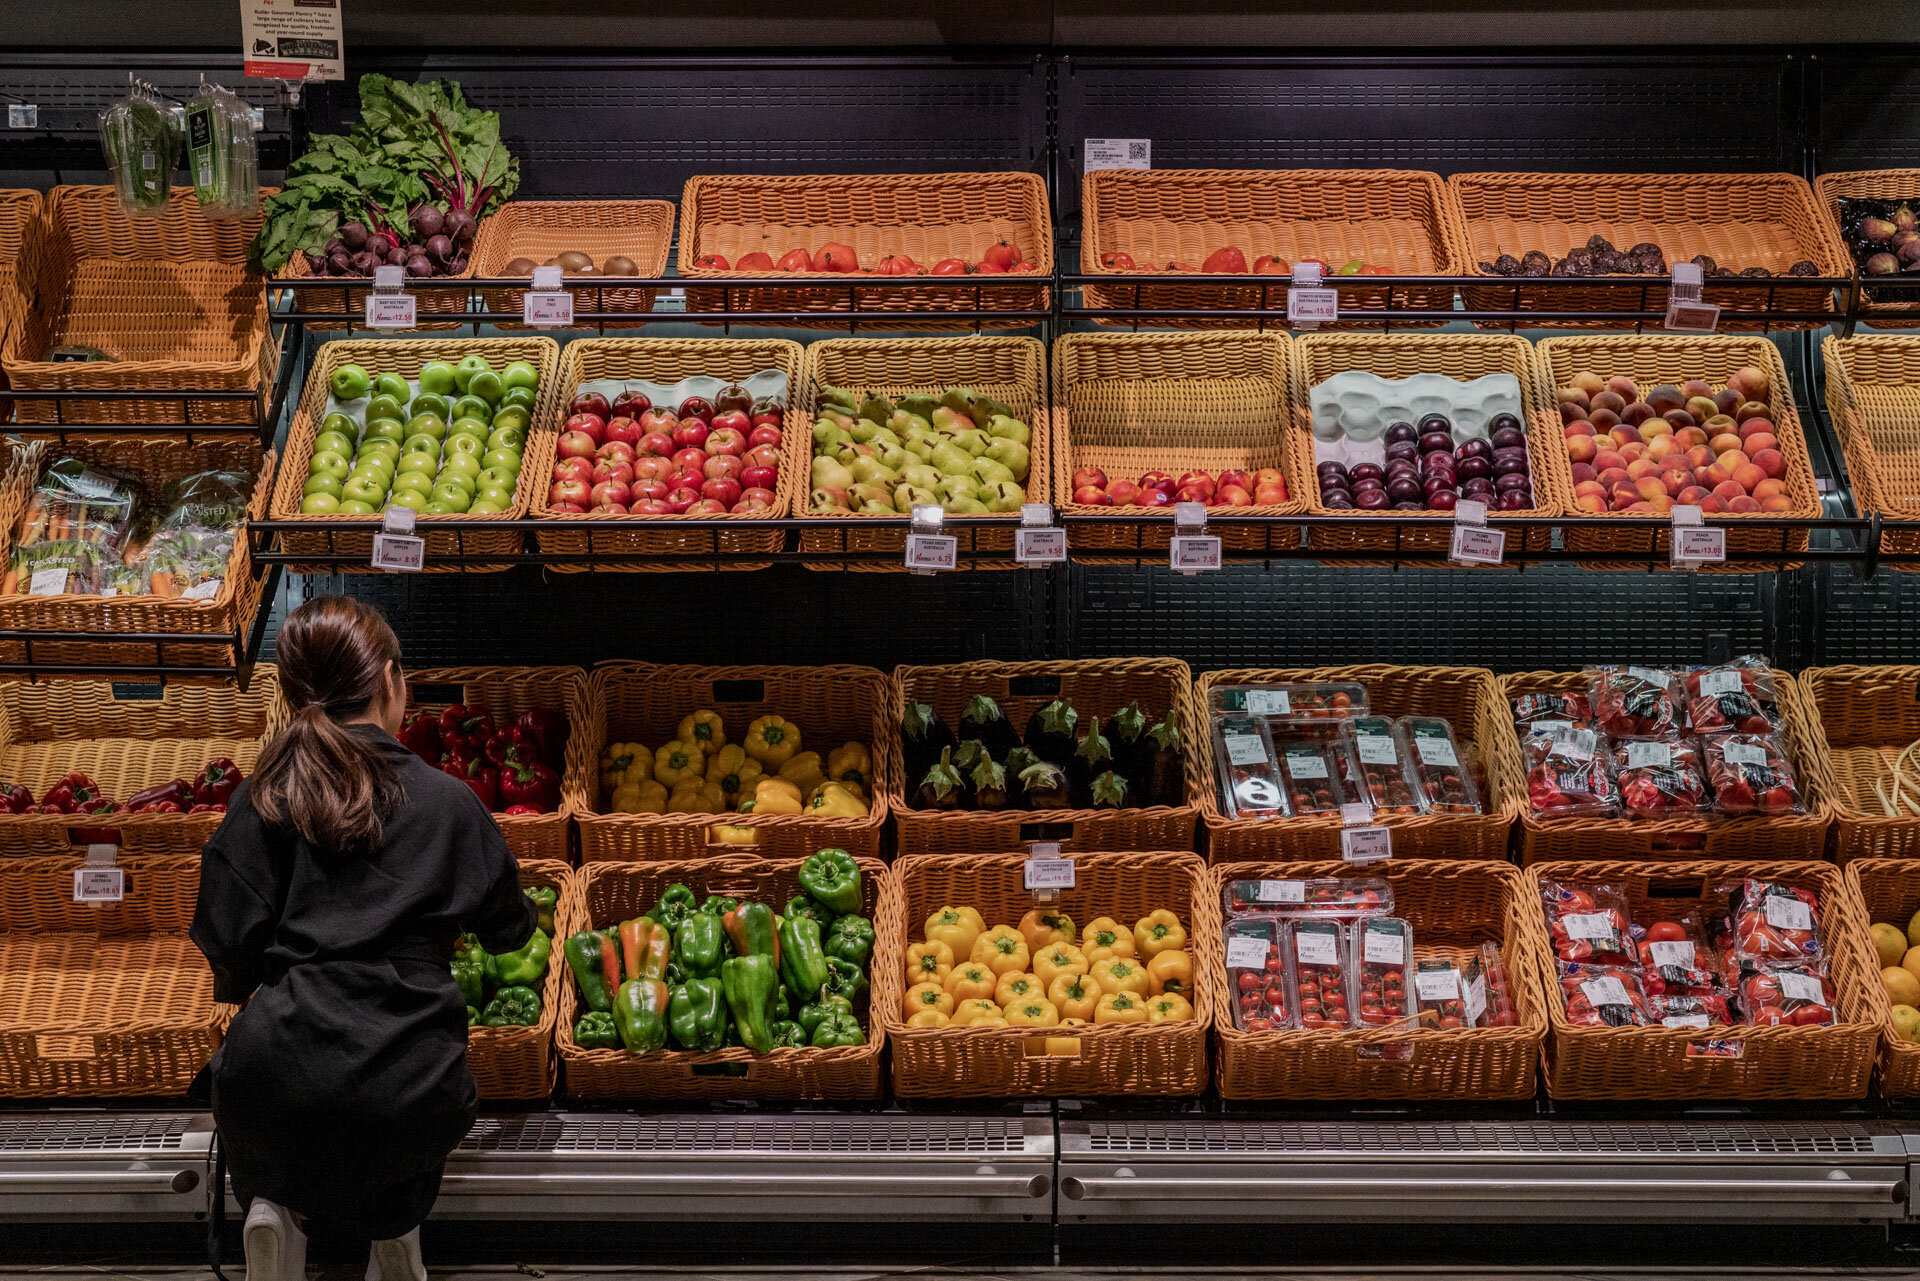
1774 922
1603 996
1796 993
1711 1009
1661 778
1733 697
1588 922
1552 710
1636 702
1570 774
1751 774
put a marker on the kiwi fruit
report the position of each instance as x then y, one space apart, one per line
518 267
573 260
619 265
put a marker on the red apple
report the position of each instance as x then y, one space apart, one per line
625 430
655 489
609 492
652 467
612 509
686 478
757 496
1192 494
657 442
707 507
690 459
658 420
617 451
769 417
766 434
690 434
722 465
1238 478
1154 498
764 456
696 407
604 471
570 491
1088 477
1195 480
577 444
589 402
682 498
732 420
726 440
568 509
722 489
580 469
652 507
759 477
589 424
1092 495
631 404
1158 480
1124 493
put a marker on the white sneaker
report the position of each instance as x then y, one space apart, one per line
276 1248
395 1260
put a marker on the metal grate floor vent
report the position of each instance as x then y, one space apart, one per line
747 1136
1518 1138
41 1134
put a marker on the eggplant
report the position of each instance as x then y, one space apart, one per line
1051 730
983 719
1166 774
989 785
941 788
1093 756
922 736
1111 792
1045 787
1127 733
966 758
1017 760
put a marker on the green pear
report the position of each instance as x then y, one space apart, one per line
841 418
921 447
831 474
874 472
906 497
828 433
894 455
957 487
862 495
828 498
1003 496
918 406
865 430
952 460
973 440
1004 428
850 450
983 410
965 507
1012 455
948 419
920 476
987 471
876 407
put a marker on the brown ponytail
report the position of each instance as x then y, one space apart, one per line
336 789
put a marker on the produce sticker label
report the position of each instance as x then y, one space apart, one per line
1306 763
1475 997
1672 952
1376 749
1723 681
1436 751
1268 702
1785 913
1385 947
292 39
1801 987
1606 990
1744 754
1643 754
1315 948
51 581
1588 925
1282 892
1245 749
1117 153
1437 985
1245 952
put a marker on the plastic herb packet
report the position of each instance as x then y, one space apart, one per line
1661 778
1439 766
1289 700
222 155
1316 953
1641 702
1752 774
1588 922
1800 993
1603 996
1386 767
1250 786
1314 769
1552 710
1382 969
1773 922
1569 774
142 141
1739 696
1345 897
1257 972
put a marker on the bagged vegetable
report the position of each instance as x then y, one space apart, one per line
71 535
142 142
222 154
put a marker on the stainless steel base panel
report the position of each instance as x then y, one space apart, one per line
104 1166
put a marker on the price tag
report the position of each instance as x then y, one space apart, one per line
1117 153
1312 306
1788 913
1437 985
1049 874
1550 728
1040 546
1673 952
204 591
1244 749
1475 997
1684 1020
51 581
1376 749
1801 987
99 884
23 115
1693 543
1649 676
1607 990
1588 925
395 547
1574 744
1268 702
927 553
1315 947
547 309
1191 553
1385 947
1246 952
1722 681
90 484
1642 755
1743 753
1365 844
1436 751
392 311
1306 763
1686 313
1282 892
1477 544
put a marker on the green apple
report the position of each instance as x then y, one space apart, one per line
418 461
465 444
323 484
349 382
319 504
410 498
470 366
513 416
354 507
329 464
437 376
340 423
427 424
393 385
486 386
481 507
371 477
523 397
333 442
421 443
498 476
376 469
471 426
384 429
464 466
429 404
507 460
514 438
364 489
453 497
386 407
383 448
417 480
471 407
500 497
519 373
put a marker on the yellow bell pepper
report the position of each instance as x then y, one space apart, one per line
1169 1007
851 789
695 797
734 771
929 996
971 1011
729 834
805 771
957 927
1105 938
969 981
1158 931
1073 1022
1035 1012
929 962
1017 986
1076 995
646 797
1121 974
850 763
1120 1007
1049 963
623 763
772 741
704 730
989 1020
927 1018
1043 925
679 761
835 801
1002 950
775 796
1170 972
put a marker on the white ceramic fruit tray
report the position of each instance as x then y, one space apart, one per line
1352 411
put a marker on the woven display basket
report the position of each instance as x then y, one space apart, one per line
1470 698
1860 719
1133 403
666 361
1902 310
169 298
103 999
518 1063
539 229
156 462
1889 891
1011 370
1462 357
127 744
928 217
645 703
1398 220
351 298
1739 220
1078 1062
1636 1064
606 893
1787 836
1096 687
1453 906
445 535
1873 401
506 692
19 210
1675 359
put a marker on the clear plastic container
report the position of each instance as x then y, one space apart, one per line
1570 774
1552 710
1317 958
1256 973
1382 968
1489 996
1314 769
1249 781
1386 767
1636 702
1735 697
1439 767
1289 700
1343 898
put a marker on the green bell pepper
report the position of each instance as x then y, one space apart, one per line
787 1033
803 905
718 905
751 928
750 983
596 1031
525 966
545 899
850 938
782 1003
697 1015
803 966
473 1017
514 1006
589 971
640 1014
676 905
699 944
844 978
839 1028
470 976
814 1013
833 878
675 975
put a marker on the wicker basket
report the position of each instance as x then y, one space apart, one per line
1396 219
1860 719
103 999
928 217
518 1063
668 361
1468 697
155 461
1873 184
1079 1062
1462 357
1637 1064
1453 907
1888 890
170 297
1739 220
19 211
642 702
1096 687
48 730
1133 403
352 298
445 535
605 893
539 229
1673 358
506 692
1873 401
1011 370
1788 836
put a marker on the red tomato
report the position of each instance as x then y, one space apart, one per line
1666 932
1811 1016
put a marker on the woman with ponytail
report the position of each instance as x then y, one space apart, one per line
330 900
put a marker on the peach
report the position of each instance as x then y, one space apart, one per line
1712 504
1572 397
1692 494
1580 449
1751 382
1663 448
1776 503
1769 489
1727 490
1677 481
1611 476
1715 475
1640 468
1690 436
1694 387
1651 487
1719 423
1743 504
1728 398
1655 427
1751 409
1731 459
1595 503
1680 418
1664 397
1572 411
1625 494
1747 476
1759 441
1753 425
1585 487
1699 456
1638 412
1612 401
1581 428
1633 450
1608 457
1625 435
1604 419
1662 504
1591 384
1675 461
1724 443
1622 386
1770 462
1642 509
1701 407
1583 471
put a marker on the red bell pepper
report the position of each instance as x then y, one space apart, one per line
70 795
155 807
179 792
218 807
547 729
466 728
420 734
510 744
214 784
98 835
476 774
523 809
15 799
530 783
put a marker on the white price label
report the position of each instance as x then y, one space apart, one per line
1697 544
1744 753
1796 986
1606 990
1475 996
1722 680
1672 952
1244 749
23 115
90 484
1365 844
547 310
1376 749
1049 874
1692 317
1588 925
1040 546
1385 947
1306 764
1312 306
402 553
204 591
1436 751
1649 675
99 884
392 311
51 581
1788 913
1437 985
1191 553
1282 892
1574 744
1316 947
1117 153
1640 755
1477 545
1268 702
1551 727
1685 1021
930 552
1246 952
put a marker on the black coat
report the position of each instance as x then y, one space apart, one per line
343 1084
